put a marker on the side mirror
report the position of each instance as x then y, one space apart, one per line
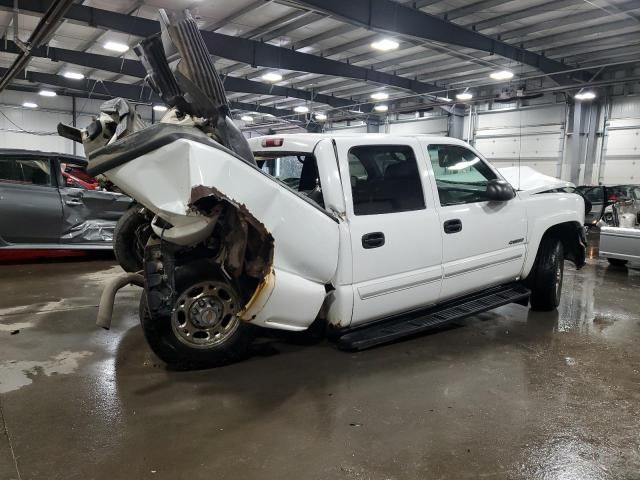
499 191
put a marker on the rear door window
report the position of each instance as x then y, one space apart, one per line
384 179
28 171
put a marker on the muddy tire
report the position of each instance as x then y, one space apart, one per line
200 333
129 238
617 262
545 281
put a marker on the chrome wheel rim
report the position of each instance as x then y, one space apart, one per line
205 315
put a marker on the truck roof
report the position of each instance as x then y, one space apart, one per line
306 142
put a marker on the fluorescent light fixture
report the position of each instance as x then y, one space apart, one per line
385 45
464 96
30 105
502 75
585 95
380 96
246 118
381 108
464 164
116 47
272 77
73 75
301 109
320 117
47 93
160 108
444 99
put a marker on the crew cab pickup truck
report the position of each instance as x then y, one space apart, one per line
377 236
421 223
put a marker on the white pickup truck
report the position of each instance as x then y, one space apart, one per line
376 236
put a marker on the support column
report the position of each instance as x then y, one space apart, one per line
74 119
373 124
580 154
455 122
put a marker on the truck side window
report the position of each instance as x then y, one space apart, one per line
384 179
27 171
461 176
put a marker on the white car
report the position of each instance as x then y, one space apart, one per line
378 236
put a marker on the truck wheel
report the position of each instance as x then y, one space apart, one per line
546 279
129 239
203 330
617 262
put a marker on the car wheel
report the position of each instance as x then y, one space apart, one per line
129 239
546 280
203 329
617 262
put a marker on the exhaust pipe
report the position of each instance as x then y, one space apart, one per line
108 298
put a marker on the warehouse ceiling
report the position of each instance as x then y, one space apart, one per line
320 53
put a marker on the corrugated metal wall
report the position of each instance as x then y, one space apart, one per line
531 136
621 153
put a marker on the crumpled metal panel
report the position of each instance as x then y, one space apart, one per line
90 231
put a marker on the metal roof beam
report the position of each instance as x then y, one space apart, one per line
134 68
564 21
242 50
391 17
138 93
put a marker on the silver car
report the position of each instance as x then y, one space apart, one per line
47 200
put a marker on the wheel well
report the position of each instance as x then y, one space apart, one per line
572 236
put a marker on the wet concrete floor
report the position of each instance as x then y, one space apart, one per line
508 394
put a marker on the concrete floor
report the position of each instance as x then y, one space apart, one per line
509 394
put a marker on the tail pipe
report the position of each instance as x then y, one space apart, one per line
105 309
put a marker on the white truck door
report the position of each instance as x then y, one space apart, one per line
484 243
396 239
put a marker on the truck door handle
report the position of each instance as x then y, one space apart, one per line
73 201
453 226
373 240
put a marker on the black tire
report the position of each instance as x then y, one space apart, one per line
617 262
165 343
546 279
129 238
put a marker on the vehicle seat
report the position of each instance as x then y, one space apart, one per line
403 187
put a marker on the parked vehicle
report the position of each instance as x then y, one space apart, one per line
602 197
48 201
375 236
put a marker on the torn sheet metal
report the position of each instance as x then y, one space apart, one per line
304 237
89 231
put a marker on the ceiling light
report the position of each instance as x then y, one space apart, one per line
160 108
502 75
464 96
585 95
301 109
381 108
380 96
246 118
385 45
47 93
116 47
444 99
73 75
320 117
30 105
272 77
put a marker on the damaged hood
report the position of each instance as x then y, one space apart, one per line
529 180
